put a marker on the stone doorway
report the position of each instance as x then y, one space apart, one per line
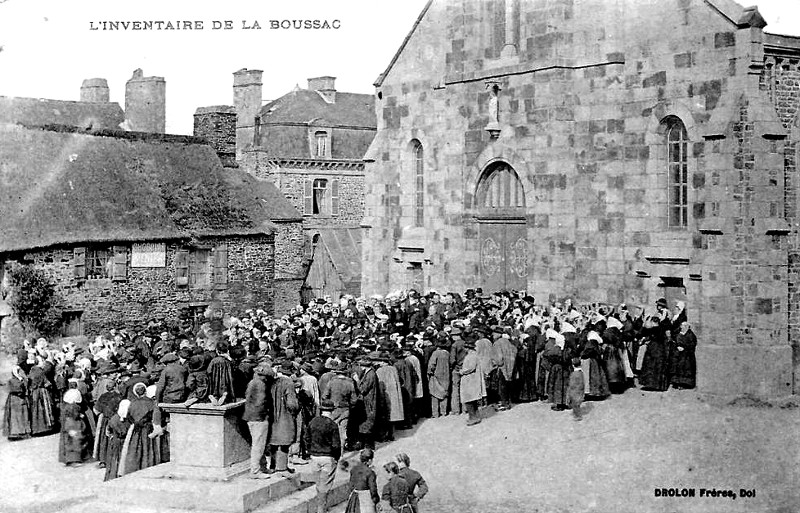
502 230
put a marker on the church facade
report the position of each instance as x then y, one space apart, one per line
605 152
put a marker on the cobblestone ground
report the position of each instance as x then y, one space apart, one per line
533 459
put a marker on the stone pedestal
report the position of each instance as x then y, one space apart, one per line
207 442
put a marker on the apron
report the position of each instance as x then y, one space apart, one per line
360 502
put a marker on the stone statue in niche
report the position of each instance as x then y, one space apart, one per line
493 127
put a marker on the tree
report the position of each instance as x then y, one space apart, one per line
33 299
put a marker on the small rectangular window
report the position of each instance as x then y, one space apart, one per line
200 267
98 263
320 186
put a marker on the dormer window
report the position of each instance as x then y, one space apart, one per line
321 138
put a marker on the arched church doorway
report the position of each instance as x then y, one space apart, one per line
500 212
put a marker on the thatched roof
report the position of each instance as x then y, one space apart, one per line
40 111
66 186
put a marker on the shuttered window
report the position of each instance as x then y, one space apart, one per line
119 271
79 263
320 190
334 197
199 267
308 198
221 266
182 268
98 265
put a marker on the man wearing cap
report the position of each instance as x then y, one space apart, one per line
368 391
256 414
341 392
439 376
473 384
283 429
324 444
457 354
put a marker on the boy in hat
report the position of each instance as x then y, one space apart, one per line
324 444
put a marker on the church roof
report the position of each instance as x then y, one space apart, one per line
40 111
305 107
62 185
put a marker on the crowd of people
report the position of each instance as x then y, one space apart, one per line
369 366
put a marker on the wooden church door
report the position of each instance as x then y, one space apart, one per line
502 230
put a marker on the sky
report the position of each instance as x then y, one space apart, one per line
47 47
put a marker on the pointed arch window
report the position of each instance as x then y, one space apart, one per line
500 188
417 153
677 171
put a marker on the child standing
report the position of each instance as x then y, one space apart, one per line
576 389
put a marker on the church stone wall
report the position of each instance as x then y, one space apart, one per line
581 108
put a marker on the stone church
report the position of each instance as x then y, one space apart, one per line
603 151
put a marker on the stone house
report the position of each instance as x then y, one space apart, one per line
310 143
603 151
133 226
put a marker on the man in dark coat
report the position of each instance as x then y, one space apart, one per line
457 354
439 378
369 390
171 387
283 428
323 442
341 392
408 385
257 415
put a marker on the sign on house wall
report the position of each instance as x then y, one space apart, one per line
149 255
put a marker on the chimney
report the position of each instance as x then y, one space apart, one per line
94 90
247 103
145 103
217 125
324 86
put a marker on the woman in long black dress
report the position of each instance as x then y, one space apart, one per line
140 450
116 431
72 444
16 416
683 367
42 406
654 374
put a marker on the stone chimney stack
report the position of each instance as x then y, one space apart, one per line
217 125
145 103
94 90
325 86
247 103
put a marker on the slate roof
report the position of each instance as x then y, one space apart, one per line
304 106
66 186
344 247
39 111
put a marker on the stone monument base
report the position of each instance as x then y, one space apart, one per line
164 486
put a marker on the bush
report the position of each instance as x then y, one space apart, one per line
33 299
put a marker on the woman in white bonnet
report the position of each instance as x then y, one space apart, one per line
72 444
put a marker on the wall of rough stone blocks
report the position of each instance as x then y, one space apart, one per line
581 109
291 182
781 81
150 293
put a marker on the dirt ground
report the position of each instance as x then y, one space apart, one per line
533 459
